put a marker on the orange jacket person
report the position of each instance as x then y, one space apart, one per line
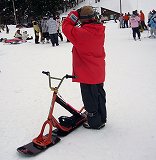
142 19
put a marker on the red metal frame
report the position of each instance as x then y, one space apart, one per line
45 140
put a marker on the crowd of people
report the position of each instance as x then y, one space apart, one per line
124 19
49 28
18 36
23 36
137 22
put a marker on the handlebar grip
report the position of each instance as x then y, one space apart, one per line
70 76
47 73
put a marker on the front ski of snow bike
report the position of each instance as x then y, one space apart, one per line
64 125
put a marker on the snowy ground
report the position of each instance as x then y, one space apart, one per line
130 133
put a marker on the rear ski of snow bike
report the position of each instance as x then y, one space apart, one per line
63 126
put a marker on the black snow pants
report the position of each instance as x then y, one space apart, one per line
136 31
54 39
94 99
36 37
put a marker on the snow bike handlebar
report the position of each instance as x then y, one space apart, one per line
60 79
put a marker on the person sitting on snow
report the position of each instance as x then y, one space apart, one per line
25 36
18 34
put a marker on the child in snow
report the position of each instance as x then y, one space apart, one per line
134 23
88 62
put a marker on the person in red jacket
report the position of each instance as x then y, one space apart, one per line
88 62
142 19
126 19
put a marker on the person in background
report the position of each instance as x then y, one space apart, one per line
18 34
126 19
59 27
129 15
1 27
45 33
152 25
142 20
52 29
121 20
36 31
134 23
25 36
88 55
7 29
149 16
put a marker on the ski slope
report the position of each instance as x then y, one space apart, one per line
127 5
131 97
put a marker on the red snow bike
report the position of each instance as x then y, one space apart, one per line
63 126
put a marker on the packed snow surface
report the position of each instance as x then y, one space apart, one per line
130 133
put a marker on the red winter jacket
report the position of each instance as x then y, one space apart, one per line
88 51
142 16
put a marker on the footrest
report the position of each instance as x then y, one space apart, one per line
67 121
73 122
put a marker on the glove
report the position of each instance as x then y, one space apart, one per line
73 16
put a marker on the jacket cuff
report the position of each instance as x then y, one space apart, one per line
73 16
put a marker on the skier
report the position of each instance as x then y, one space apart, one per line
88 62
134 23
